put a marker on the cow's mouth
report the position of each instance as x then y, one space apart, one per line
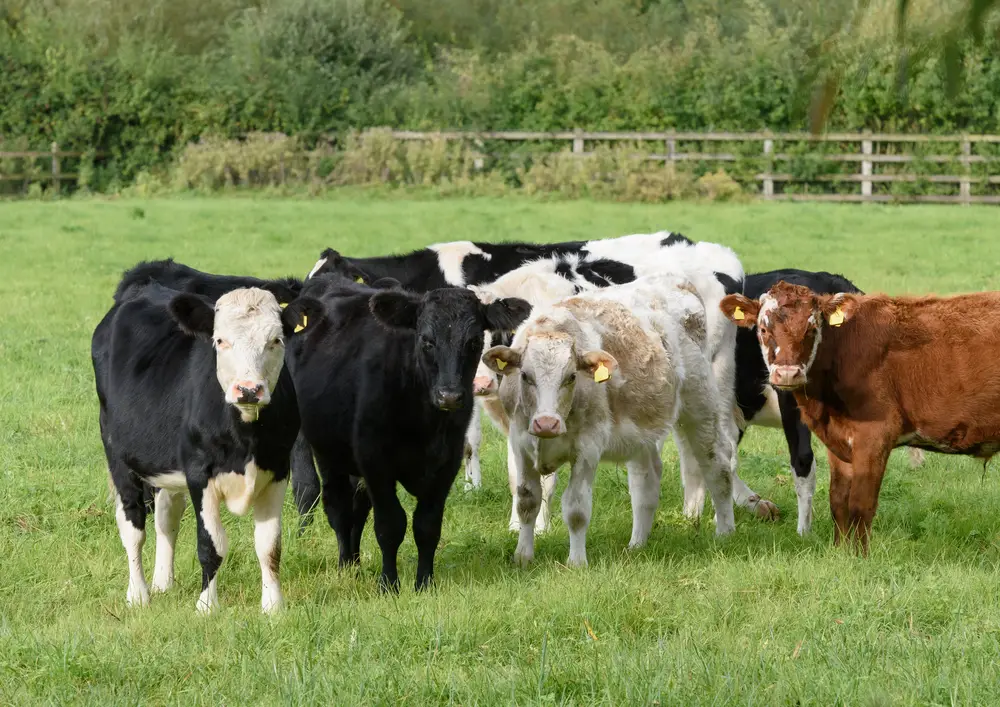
249 412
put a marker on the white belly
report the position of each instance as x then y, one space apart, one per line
240 490
170 480
770 414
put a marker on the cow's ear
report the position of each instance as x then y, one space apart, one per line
194 314
303 314
838 308
283 290
740 310
505 314
599 364
395 309
502 360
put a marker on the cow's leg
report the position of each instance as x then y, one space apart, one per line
390 525
515 520
167 519
427 518
473 439
800 452
305 482
692 480
577 506
130 514
338 499
267 542
916 456
840 494
645 471
699 436
360 508
869 460
544 519
212 542
529 501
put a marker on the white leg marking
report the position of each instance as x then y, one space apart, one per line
474 438
644 474
133 539
169 509
267 540
515 520
210 516
577 505
692 480
804 490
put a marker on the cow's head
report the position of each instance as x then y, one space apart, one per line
790 321
330 261
247 328
543 375
448 324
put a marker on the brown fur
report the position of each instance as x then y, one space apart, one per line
900 370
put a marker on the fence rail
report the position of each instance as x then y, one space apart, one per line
860 167
877 152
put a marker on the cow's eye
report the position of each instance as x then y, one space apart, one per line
528 380
426 344
568 380
221 344
277 341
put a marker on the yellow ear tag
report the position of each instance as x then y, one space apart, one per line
602 373
501 364
359 280
283 304
837 318
738 314
303 325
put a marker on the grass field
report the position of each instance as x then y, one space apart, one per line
762 617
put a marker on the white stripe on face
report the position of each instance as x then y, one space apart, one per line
248 342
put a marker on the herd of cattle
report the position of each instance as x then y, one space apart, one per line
580 352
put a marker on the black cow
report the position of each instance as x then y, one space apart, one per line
384 380
183 278
194 398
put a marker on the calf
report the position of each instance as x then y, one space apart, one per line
385 394
872 372
605 376
167 426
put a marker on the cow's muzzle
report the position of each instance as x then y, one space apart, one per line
547 426
787 377
448 399
246 392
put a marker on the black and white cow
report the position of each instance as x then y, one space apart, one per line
384 382
462 263
764 406
194 399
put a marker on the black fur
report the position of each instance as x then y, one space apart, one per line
182 278
676 238
373 378
751 371
603 272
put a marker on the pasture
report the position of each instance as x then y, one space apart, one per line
760 617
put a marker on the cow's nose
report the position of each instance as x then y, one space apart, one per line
248 392
483 385
787 376
546 426
448 399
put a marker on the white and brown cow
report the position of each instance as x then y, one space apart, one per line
606 376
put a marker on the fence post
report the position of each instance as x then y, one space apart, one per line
577 144
965 186
866 167
671 149
768 182
55 166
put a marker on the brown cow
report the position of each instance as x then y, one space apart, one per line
872 372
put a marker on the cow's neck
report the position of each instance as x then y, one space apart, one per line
417 271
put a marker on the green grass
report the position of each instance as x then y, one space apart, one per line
762 617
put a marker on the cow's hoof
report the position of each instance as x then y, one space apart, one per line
765 509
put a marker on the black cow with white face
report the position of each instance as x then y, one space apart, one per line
195 400
384 381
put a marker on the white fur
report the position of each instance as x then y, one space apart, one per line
133 539
267 541
319 263
169 509
450 257
805 488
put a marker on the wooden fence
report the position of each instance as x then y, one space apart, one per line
859 167
53 176
878 155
